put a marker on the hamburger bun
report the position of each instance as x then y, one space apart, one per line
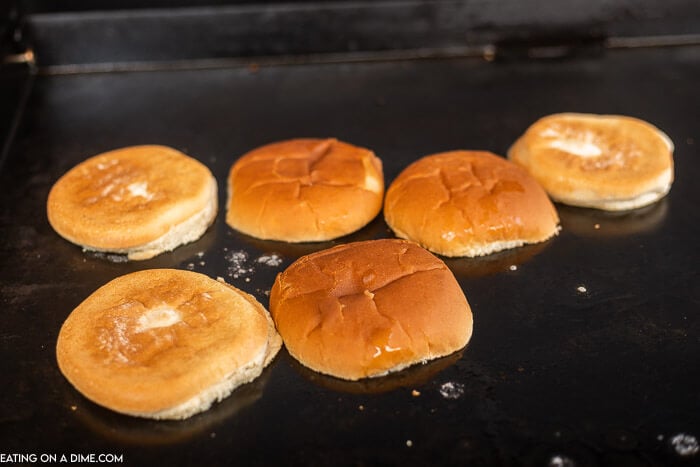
468 203
608 162
304 190
139 201
164 343
366 309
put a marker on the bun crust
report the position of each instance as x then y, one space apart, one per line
164 343
468 203
608 162
365 309
304 190
139 201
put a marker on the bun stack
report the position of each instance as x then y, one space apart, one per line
608 162
468 203
304 190
366 309
165 343
138 201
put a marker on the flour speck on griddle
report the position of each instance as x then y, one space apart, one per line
561 461
242 266
238 266
685 445
450 390
272 260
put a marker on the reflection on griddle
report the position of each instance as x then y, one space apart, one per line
494 263
114 426
416 375
374 230
593 222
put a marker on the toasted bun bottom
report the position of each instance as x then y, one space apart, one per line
165 343
304 190
139 201
468 203
608 162
366 309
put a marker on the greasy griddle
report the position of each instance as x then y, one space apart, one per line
585 348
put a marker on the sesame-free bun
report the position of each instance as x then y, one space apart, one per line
366 309
139 201
165 343
468 203
608 162
304 190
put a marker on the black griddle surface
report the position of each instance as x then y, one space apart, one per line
553 373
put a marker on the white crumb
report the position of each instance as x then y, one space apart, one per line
685 445
272 260
561 461
451 390
238 266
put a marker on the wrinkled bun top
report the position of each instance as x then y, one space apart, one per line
129 197
369 308
304 190
154 343
609 162
468 203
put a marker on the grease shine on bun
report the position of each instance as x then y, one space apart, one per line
165 343
468 203
609 162
139 201
366 309
304 190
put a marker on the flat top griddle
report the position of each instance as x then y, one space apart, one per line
586 348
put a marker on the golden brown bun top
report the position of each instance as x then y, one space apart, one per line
363 309
128 197
466 203
304 190
154 339
592 157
